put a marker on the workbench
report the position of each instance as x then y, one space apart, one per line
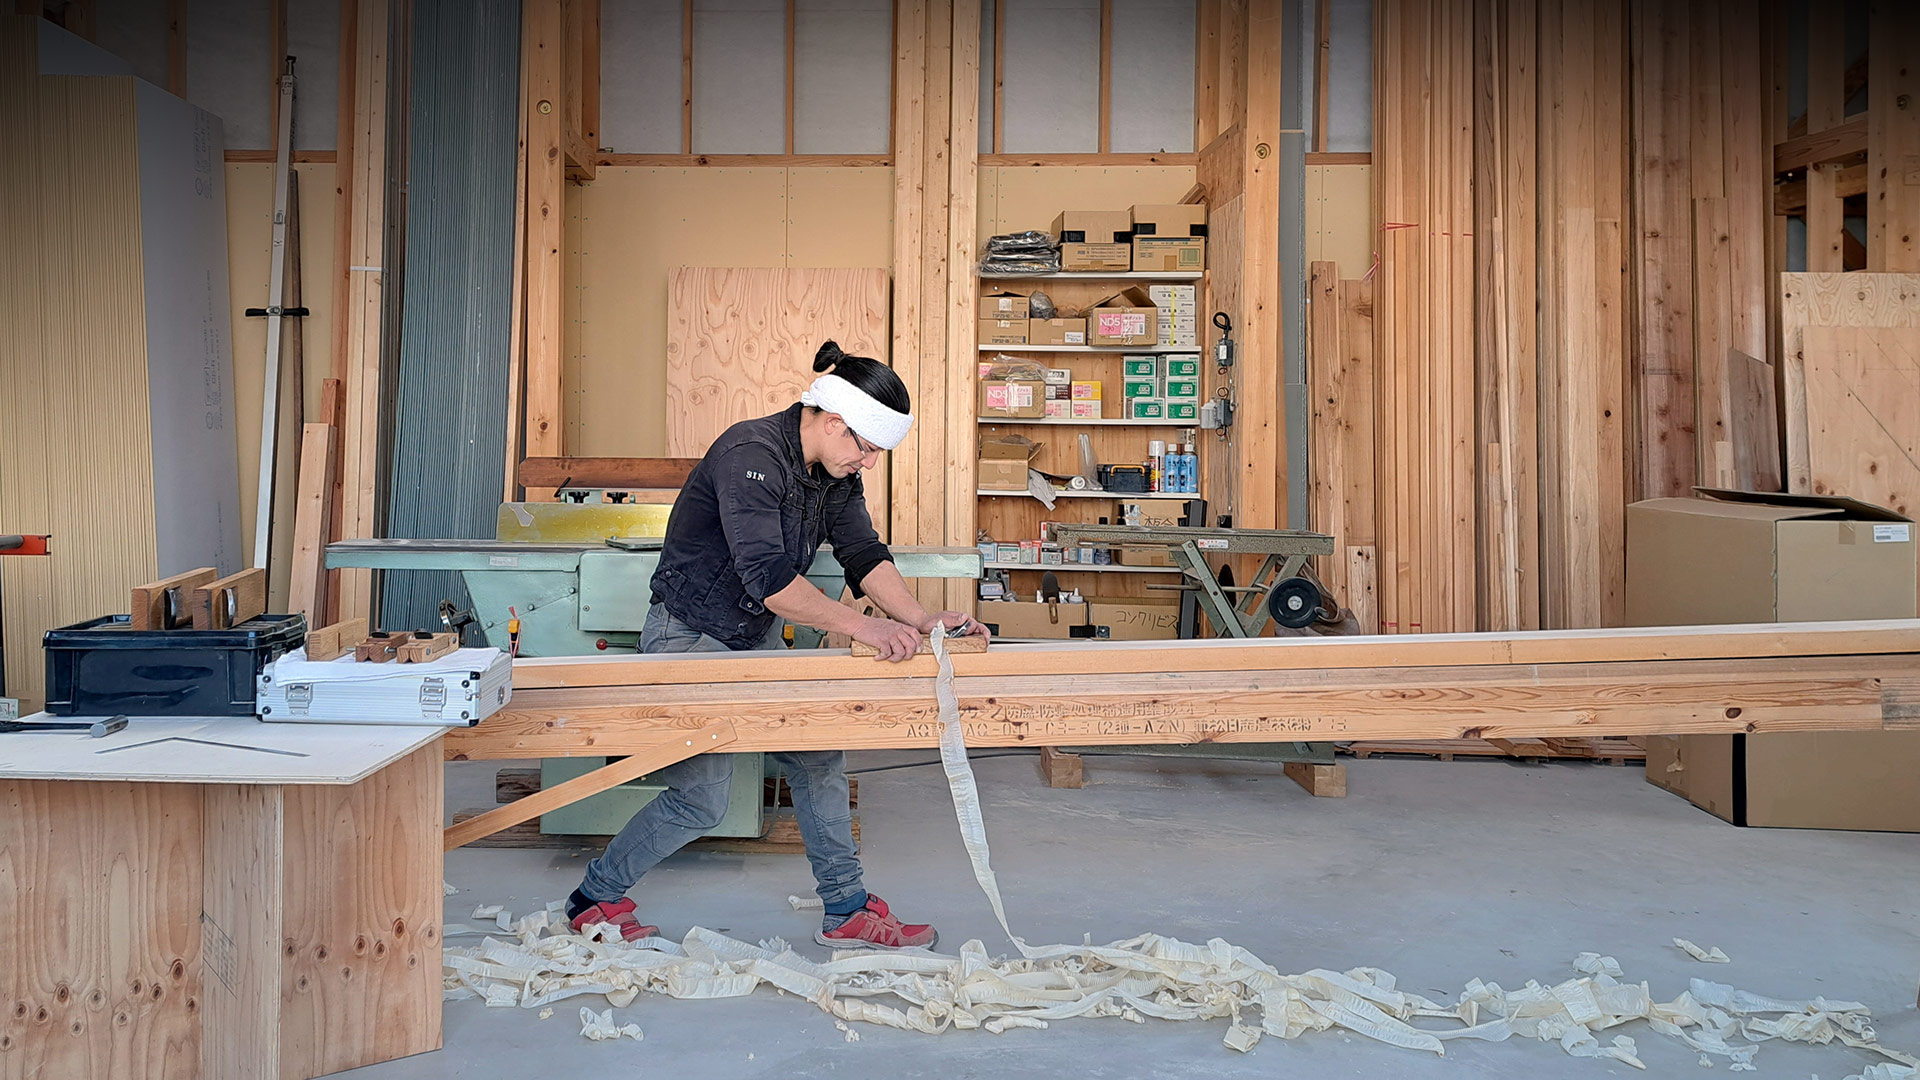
177 908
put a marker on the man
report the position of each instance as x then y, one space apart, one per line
745 528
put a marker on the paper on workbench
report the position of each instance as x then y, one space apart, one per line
295 667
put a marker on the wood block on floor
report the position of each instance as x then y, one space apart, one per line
1062 770
1321 781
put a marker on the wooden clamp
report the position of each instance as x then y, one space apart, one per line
335 641
230 601
167 603
421 647
379 647
972 643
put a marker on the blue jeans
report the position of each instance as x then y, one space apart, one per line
696 797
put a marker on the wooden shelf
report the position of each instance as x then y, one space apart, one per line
1082 568
1126 350
1070 421
1081 275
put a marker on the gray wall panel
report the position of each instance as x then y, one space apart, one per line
739 76
135 31
313 37
1152 76
183 222
640 76
842 76
229 72
1350 77
450 404
1052 91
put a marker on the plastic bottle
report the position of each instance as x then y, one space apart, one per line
1156 465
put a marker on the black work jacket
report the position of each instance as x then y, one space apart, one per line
748 521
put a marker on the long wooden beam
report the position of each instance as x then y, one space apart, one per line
1641 645
1688 680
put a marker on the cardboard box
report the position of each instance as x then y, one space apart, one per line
1096 258
1019 399
1744 557
1182 367
1059 376
1056 331
1134 618
1158 512
1184 410
1003 305
1169 254
1003 331
1183 389
1087 409
1004 460
1086 390
1143 388
1027 619
1143 367
1059 409
1093 226
1126 318
1164 219
1146 408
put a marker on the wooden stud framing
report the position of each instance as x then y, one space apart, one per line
1206 75
999 74
546 229
1893 138
1322 57
909 207
790 31
686 77
963 186
1262 417
1106 76
177 46
359 348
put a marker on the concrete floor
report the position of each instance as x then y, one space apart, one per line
1436 871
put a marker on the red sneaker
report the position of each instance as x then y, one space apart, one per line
620 914
875 927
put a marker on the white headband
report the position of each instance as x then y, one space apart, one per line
872 421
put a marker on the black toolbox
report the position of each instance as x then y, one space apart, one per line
104 667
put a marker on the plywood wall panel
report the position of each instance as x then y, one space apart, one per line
1863 414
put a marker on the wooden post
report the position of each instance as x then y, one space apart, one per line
1262 415
1893 138
307 574
366 280
546 231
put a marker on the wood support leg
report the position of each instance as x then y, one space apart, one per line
714 736
1321 781
1062 770
243 883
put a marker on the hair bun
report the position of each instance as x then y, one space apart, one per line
828 356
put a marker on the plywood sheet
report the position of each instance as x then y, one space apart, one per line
1863 413
1340 217
362 952
1830 299
116 993
1030 197
741 341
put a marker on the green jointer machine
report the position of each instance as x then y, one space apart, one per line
579 576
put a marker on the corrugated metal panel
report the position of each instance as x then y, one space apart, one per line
449 435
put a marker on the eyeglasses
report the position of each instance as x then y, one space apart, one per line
866 448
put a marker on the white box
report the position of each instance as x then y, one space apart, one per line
459 689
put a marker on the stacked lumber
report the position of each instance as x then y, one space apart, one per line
1569 307
1609 751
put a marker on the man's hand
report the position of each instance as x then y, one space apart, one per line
895 641
957 623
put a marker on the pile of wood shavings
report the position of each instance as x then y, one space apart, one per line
1149 976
